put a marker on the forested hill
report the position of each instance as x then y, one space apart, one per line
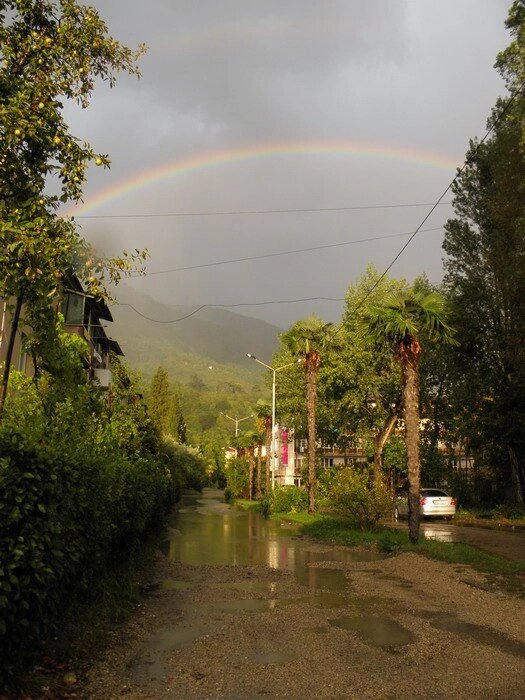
212 337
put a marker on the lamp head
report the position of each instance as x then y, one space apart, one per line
252 357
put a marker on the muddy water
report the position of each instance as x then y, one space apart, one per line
206 531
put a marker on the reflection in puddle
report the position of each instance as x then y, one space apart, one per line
150 663
253 604
377 631
438 535
479 633
214 534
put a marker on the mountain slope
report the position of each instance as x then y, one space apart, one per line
211 338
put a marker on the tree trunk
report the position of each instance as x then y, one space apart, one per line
411 411
268 446
517 474
9 353
380 441
258 489
251 470
312 364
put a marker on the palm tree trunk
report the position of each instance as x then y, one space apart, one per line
258 490
268 447
411 406
379 445
251 470
312 363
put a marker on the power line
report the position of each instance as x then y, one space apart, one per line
230 306
251 212
396 257
285 252
439 200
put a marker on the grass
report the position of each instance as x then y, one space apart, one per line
494 520
338 531
245 504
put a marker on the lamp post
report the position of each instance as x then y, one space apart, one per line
274 371
236 421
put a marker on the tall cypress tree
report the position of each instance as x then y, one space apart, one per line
159 402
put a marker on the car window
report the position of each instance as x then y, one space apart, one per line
433 492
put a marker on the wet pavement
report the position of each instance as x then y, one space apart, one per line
240 607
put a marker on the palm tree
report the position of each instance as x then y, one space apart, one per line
306 340
403 322
264 414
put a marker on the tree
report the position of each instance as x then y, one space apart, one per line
484 275
365 383
403 323
511 61
50 53
264 415
159 401
307 340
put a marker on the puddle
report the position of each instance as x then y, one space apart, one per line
330 600
214 534
255 586
253 605
150 662
478 633
377 631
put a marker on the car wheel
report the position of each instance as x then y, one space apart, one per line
447 518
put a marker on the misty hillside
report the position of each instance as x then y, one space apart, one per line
213 337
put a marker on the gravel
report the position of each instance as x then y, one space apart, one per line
403 627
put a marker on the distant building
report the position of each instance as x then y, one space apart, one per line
83 316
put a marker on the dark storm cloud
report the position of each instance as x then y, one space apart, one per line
414 74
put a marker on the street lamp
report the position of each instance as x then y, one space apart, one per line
236 421
274 370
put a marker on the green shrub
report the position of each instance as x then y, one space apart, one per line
284 499
351 495
237 477
184 462
60 523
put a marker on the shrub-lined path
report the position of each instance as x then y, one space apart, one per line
237 607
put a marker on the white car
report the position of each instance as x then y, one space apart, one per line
433 503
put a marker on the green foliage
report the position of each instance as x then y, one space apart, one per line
237 478
60 521
83 476
185 465
284 499
159 400
50 53
351 495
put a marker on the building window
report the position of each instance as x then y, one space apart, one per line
327 462
73 309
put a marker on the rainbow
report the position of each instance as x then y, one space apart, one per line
217 158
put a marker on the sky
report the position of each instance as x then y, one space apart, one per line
272 105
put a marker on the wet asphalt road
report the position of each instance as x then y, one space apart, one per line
505 543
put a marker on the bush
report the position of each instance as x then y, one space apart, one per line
185 464
284 499
61 521
237 477
352 496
